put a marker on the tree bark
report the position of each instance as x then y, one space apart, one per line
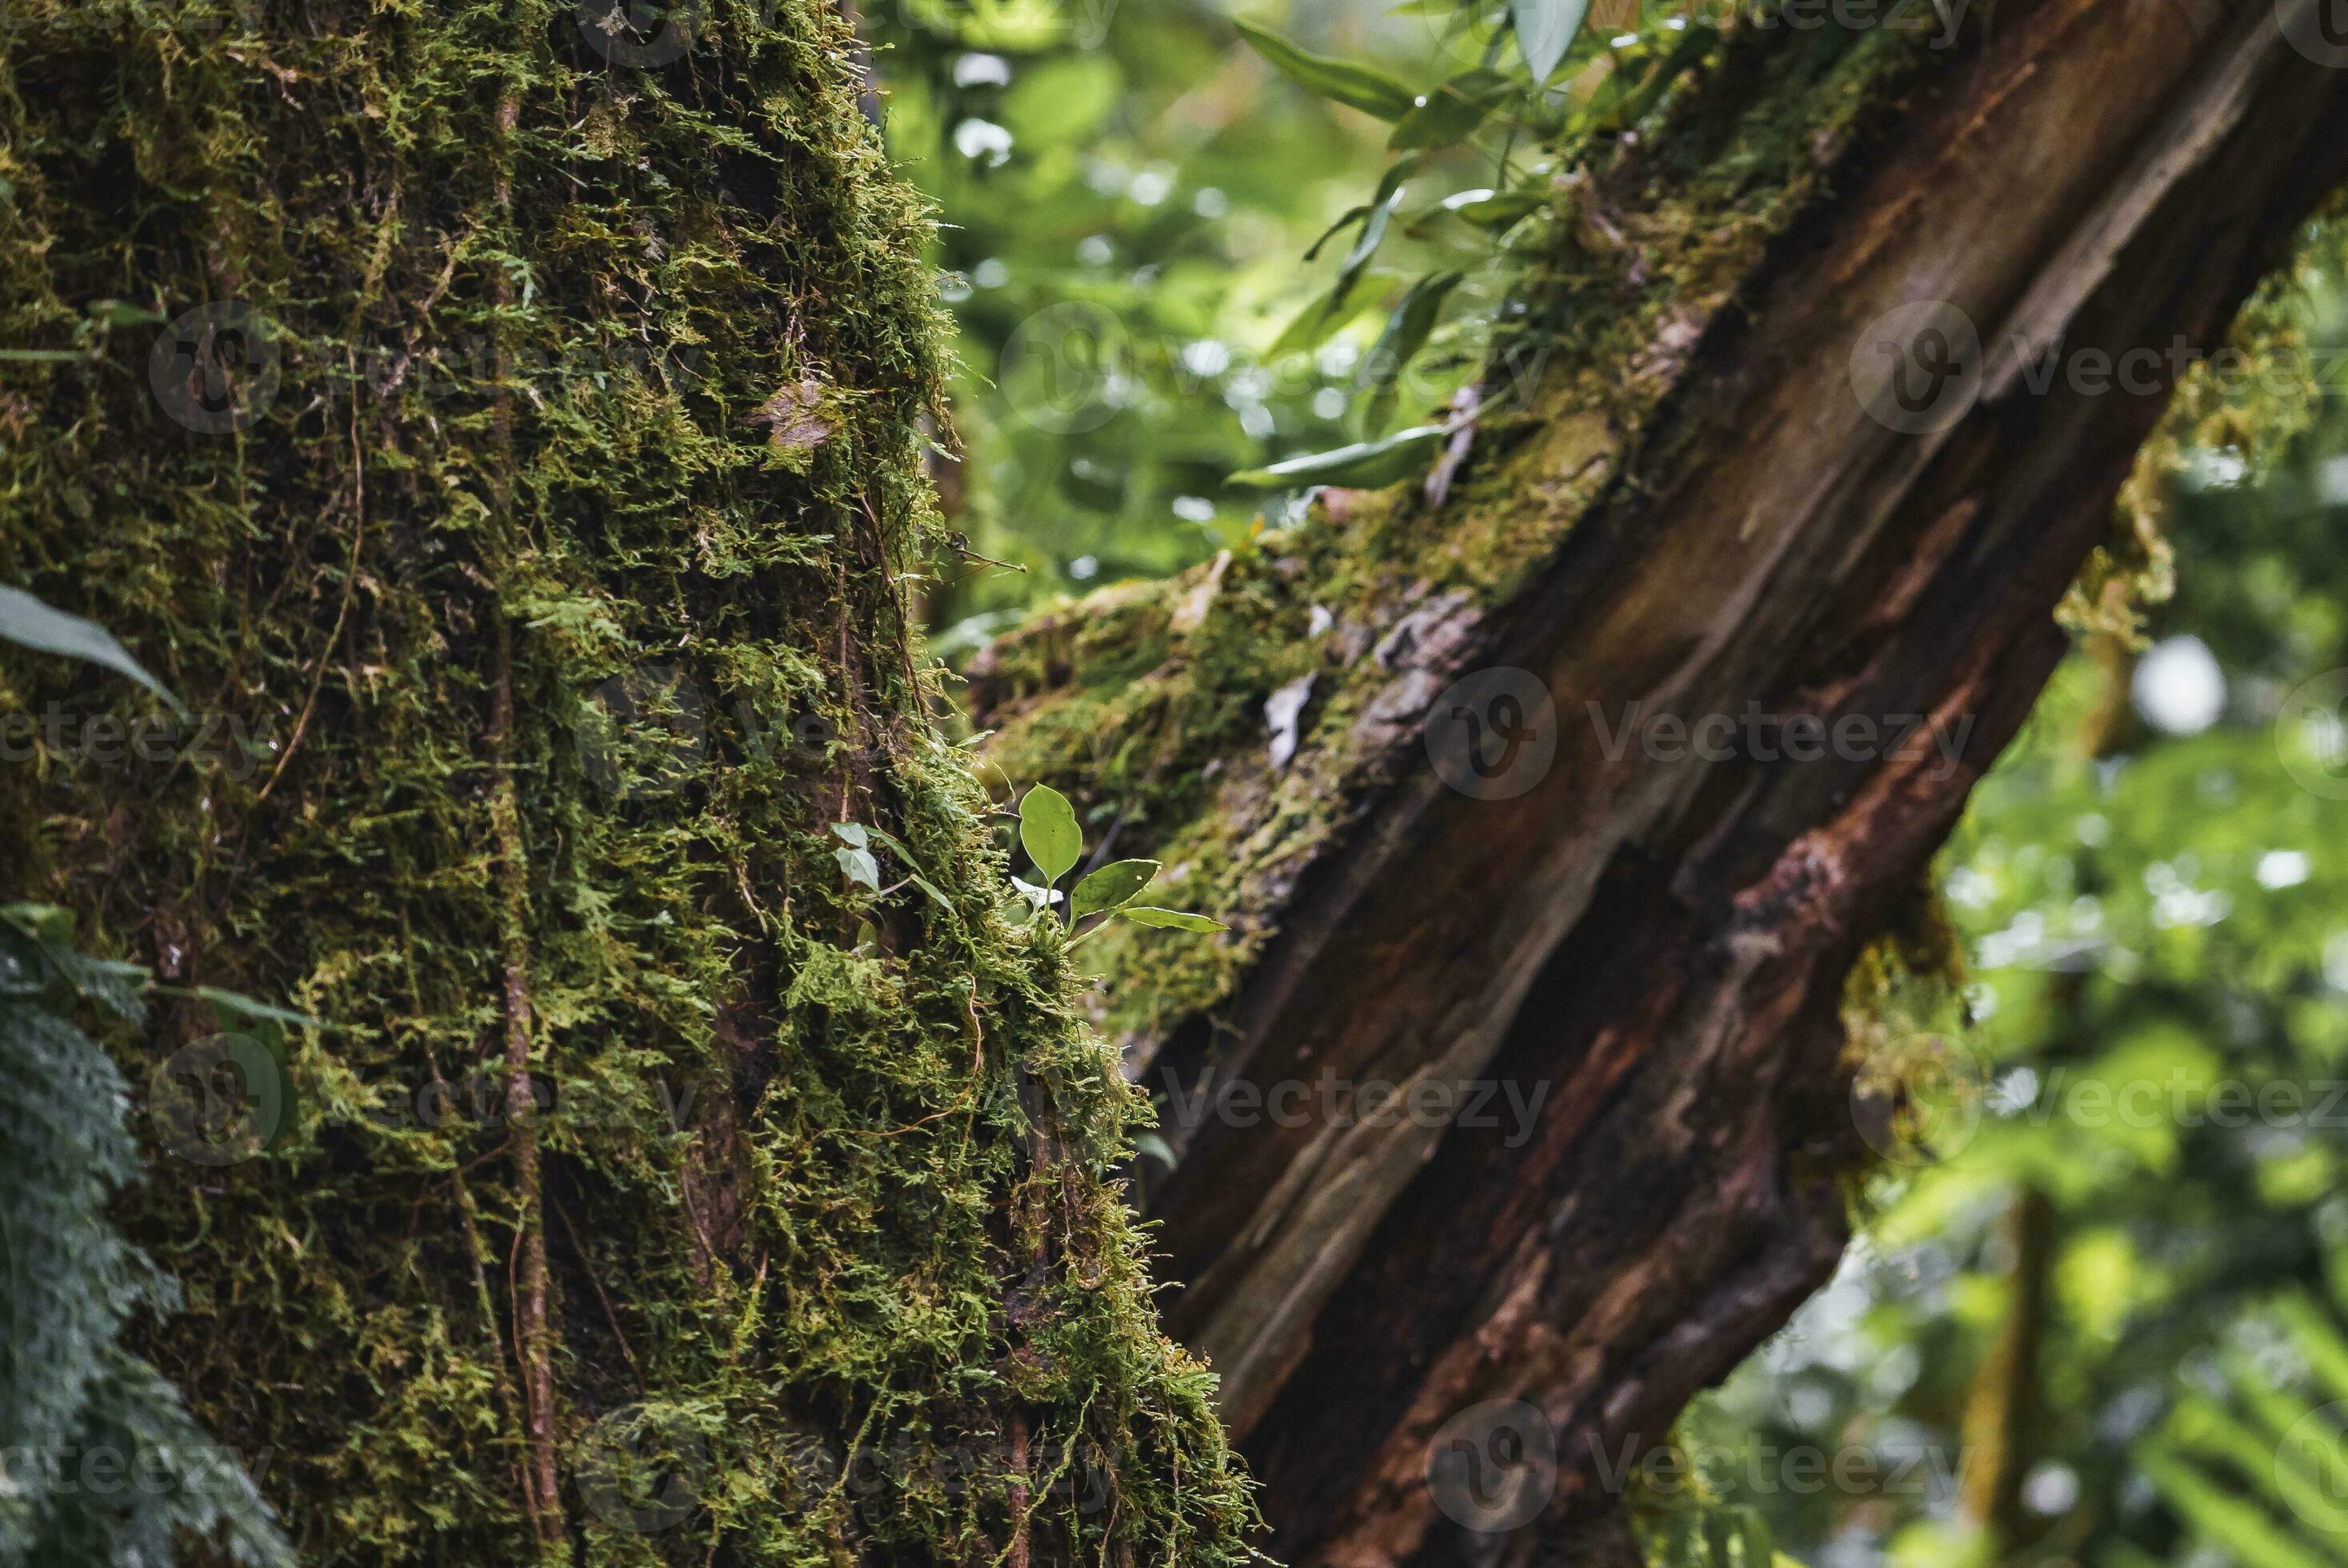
1657 944
501 423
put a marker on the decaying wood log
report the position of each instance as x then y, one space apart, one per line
1871 450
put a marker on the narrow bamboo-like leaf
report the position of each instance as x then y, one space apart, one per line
1451 111
1365 465
239 1007
1048 832
1314 325
40 922
1352 216
27 621
1116 883
1168 919
896 847
1347 82
1545 30
1404 335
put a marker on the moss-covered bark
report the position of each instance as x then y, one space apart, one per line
537 585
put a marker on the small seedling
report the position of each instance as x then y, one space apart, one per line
1056 844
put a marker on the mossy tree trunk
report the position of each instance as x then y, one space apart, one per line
1714 499
499 422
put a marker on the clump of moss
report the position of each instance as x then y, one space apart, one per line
539 625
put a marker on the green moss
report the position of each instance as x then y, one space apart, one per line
556 372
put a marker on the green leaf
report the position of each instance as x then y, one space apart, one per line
860 867
1451 111
1352 215
25 620
1048 831
1347 82
233 1007
1405 336
1168 919
850 833
896 847
1314 325
1489 210
41 922
1365 465
1545 30
122 313
1153 1146
1116 883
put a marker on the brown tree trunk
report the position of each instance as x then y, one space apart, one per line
1649 947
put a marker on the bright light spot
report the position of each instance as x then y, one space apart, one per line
982 138
953 287
2282 868
989 273
2179 687
981 71
1968 887
1624 40
2094 828
2051 1490
2332 481
1209 202
1095 251
1206 357
1256 420
1150 186
1329 403
1083 568
1194 509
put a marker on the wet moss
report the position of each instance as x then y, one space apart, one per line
829 1214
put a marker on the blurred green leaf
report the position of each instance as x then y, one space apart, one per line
1451 111
27 621
1545 30
1365 465
1355 85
